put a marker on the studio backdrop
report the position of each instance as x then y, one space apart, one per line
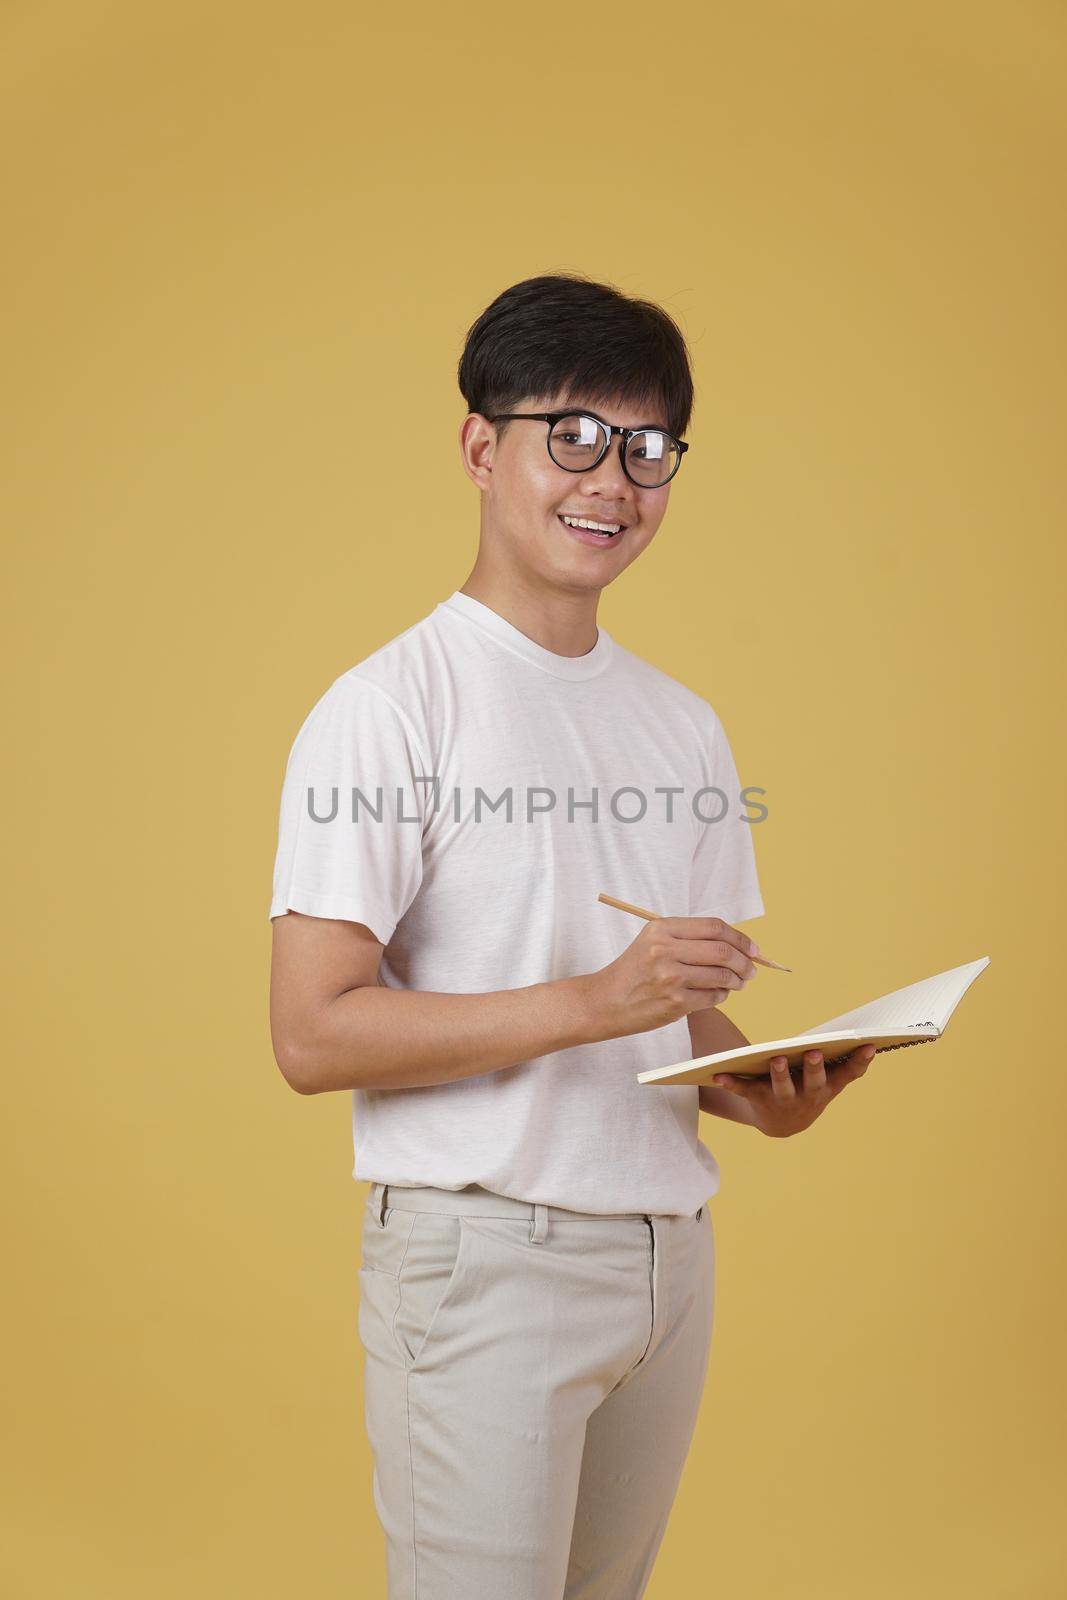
243 247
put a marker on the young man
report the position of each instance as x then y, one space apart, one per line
537 1279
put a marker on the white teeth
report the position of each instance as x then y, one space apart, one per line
597 527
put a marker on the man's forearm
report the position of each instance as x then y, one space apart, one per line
710 1031
383 1038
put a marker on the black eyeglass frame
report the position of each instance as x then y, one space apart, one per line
552 417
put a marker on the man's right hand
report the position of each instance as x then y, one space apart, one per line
675 965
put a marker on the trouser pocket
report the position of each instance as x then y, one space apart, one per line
410 1274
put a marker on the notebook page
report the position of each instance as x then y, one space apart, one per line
931 1000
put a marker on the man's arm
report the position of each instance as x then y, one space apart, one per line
335 1025
710 1031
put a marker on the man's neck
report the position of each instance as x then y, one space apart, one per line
562 622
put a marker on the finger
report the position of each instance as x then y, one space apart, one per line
709 928
739 1084
852 1067
706 999
711 977
856 1064
713 953
782 1079
814 1072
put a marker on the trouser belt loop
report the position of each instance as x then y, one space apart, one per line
380 1191
539 1225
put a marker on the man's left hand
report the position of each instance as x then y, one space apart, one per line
783 1105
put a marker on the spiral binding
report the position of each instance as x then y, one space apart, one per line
905 1044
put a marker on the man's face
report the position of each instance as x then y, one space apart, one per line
526 496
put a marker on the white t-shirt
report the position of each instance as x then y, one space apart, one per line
453 720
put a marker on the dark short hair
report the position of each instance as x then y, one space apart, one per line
565 334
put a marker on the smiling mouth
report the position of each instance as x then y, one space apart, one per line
603 530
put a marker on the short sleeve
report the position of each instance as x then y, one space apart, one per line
352 812
723 881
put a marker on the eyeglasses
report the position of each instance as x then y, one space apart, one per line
578 441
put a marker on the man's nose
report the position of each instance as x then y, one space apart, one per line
608 470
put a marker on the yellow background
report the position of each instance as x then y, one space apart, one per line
244 245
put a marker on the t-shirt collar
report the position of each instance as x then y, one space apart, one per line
482 616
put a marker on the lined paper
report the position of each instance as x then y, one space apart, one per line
919 1004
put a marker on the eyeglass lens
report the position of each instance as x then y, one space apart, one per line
576 442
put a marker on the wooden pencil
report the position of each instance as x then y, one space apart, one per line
654 916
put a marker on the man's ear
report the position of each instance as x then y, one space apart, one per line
477 445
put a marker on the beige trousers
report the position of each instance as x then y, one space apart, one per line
532 1379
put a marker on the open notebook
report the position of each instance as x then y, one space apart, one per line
914 1015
